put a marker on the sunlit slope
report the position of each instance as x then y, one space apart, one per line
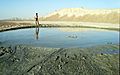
85 15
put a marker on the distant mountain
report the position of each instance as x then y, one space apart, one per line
19 19
84 15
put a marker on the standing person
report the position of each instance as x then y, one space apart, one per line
36 20
37 26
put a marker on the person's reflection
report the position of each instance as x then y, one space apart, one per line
37 32
37 26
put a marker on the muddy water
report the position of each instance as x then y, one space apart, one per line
59 37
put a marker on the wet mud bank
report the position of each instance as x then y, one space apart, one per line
29 60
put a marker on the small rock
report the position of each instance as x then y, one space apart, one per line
61 60
84 57
65 54
7 50
101 53
1 47
57 58
1 54
60 66
75 55
68 56
66 63
38 56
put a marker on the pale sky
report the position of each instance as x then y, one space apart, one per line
27 8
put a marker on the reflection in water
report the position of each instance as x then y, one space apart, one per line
37 32
73 29
79 29
56 38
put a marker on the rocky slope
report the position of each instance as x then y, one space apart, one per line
85 15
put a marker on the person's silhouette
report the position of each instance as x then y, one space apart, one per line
36 20
37 26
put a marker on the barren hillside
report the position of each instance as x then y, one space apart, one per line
85 15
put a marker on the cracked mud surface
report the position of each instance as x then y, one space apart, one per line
24 60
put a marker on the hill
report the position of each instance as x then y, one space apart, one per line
84 15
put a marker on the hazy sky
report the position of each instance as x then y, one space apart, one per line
27 8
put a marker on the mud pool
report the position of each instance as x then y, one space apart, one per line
59 37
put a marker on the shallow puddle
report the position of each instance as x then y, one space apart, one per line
59 37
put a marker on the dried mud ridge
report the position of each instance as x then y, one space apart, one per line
12 25
24 60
